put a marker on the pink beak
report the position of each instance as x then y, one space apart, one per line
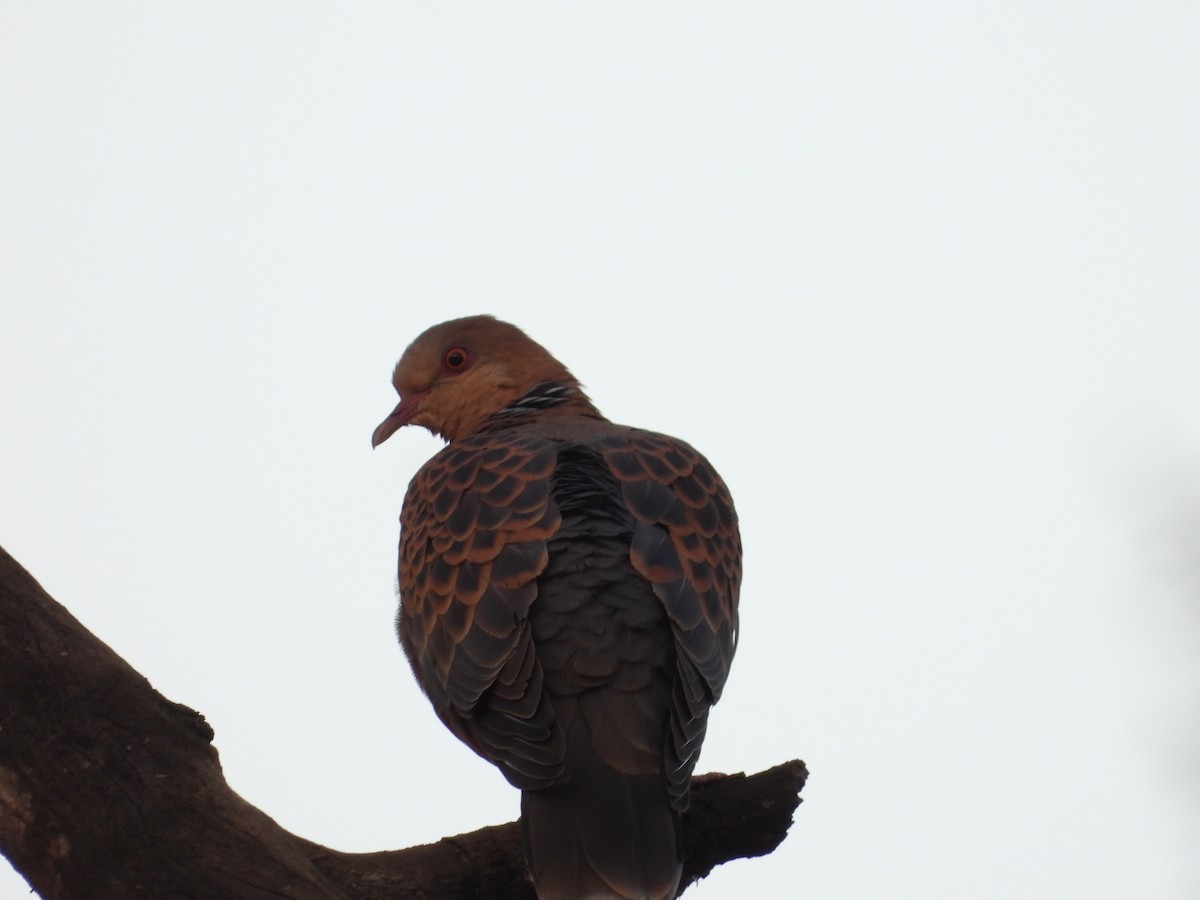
398 418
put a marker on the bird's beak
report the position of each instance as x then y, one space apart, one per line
398 418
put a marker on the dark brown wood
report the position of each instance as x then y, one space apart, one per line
108 789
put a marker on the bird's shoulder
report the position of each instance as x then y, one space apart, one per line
661 479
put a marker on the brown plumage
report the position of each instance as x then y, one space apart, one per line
568 602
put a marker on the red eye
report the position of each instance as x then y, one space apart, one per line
455 359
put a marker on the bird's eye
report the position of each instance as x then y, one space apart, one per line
456 358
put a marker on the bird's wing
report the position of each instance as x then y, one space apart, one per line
473 541
686 544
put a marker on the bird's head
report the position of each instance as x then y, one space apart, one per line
457 375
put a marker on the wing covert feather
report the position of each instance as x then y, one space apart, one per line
686 544
473 540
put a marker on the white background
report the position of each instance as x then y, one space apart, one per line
919 278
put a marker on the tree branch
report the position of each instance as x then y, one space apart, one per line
109 789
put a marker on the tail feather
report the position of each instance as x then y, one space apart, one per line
602 835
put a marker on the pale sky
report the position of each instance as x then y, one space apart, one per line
920 279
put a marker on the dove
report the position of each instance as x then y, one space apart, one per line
568 602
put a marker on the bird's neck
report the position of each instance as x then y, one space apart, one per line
544 400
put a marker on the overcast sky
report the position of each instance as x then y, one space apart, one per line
919 278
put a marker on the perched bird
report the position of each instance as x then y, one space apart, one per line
568 602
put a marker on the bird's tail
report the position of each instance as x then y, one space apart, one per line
602 834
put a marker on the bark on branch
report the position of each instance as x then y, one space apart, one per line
108 789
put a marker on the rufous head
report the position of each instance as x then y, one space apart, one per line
457 375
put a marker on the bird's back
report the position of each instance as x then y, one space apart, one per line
569 597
